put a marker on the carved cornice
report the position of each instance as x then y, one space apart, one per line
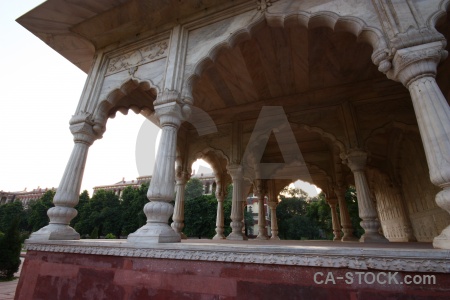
419 260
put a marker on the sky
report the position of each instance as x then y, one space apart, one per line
39 94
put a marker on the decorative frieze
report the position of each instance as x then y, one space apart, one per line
137 57
353 258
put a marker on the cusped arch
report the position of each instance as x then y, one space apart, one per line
327 136
215 157
110 104
353 25
444 8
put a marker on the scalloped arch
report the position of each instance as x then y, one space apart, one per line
443 11
328 136
356 26
218 155
110 101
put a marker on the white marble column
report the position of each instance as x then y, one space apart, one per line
346 222
356 160
162 186
67 194
273 219
416 68
178 214
237 223
332 202
220 196
260 192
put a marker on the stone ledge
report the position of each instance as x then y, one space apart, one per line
352 257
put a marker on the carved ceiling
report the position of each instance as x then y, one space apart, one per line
321 78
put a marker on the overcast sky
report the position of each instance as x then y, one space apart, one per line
39 92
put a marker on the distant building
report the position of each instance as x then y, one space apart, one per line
207 180
23 196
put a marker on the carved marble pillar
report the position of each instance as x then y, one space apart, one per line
161 190
356 160
220 196
416 68
273 219
332 202
85 132
237 223
260 192
178 214
346 222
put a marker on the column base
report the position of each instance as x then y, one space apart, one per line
153 233
55 232
337 239
374 237
349 238
442 241
275 238
237 236
219 236
262 237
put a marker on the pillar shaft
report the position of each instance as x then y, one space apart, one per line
178 214
346 222
161 190
220 196
236 173
260 192
67 194
416 68
273 219
356 160
332 202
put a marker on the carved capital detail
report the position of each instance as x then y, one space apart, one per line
356 160
84 129
412 63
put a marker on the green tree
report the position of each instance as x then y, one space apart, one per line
10 246
319 212
352 206
11 211
132 206
193 189
200 216
37 215
82 201
103 210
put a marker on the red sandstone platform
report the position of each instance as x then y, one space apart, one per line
201 269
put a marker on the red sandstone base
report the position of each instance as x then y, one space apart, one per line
47 276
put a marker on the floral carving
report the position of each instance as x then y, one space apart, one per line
137 57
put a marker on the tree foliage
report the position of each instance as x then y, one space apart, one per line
193 189
103 211
37 216
10 212
10 246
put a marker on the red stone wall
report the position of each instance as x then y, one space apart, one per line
49 276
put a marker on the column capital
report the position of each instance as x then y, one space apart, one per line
410 64
83 128
332 201
170 109
182 176
272 204
356 160
236 171
260 187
